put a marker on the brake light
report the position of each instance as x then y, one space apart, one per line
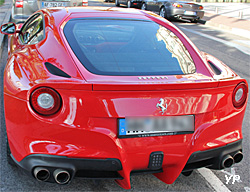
200 7
239 95
45 101
84 3
19 3
177 5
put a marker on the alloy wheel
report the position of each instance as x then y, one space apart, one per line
143 7
129 4
162 12
117 3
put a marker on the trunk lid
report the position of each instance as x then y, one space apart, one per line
149 83
189 6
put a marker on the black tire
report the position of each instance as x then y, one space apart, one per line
117 4
163 12
8 153
96 182
144 6
194 20
129 4
188 173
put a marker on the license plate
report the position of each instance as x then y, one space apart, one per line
155 126
53 4
190 13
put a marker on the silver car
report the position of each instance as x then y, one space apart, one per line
182 10
22 9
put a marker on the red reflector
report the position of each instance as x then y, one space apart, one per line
135 3
19 4
45 101
239 95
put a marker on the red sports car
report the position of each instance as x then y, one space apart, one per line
109 92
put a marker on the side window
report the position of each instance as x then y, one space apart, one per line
32 31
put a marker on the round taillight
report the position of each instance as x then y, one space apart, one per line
45 101
240 95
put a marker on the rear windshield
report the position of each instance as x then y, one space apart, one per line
127 47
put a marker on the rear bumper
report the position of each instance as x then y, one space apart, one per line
180 14
88 168
212 158
136 4
109 168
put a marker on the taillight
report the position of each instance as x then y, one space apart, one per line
45 101
84 3
200 7
177 5
239 95
19 3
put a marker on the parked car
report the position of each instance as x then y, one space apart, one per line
175 9
129 3
87 95
22 9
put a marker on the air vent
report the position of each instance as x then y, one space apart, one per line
215 69
56 71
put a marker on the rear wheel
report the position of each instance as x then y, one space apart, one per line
194 20
129 4
117 4
144 6
8 153
163 12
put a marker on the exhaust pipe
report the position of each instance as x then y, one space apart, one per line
238 157
41 174
61 176
227 161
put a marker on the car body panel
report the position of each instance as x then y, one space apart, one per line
87 124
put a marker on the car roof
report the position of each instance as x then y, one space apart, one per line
60 13
71 10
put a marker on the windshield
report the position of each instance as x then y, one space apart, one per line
127 47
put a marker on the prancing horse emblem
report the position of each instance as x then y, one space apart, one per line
161 105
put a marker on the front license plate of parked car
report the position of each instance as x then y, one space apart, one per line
53 4
190 13
155 126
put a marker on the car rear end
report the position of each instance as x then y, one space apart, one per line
186 10
127 116
136 3
22 9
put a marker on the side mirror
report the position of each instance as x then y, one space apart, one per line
8 29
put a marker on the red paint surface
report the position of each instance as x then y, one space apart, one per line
86 126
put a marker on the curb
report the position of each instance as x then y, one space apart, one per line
236 31
5 20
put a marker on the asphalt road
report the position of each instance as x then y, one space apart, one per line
232 50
